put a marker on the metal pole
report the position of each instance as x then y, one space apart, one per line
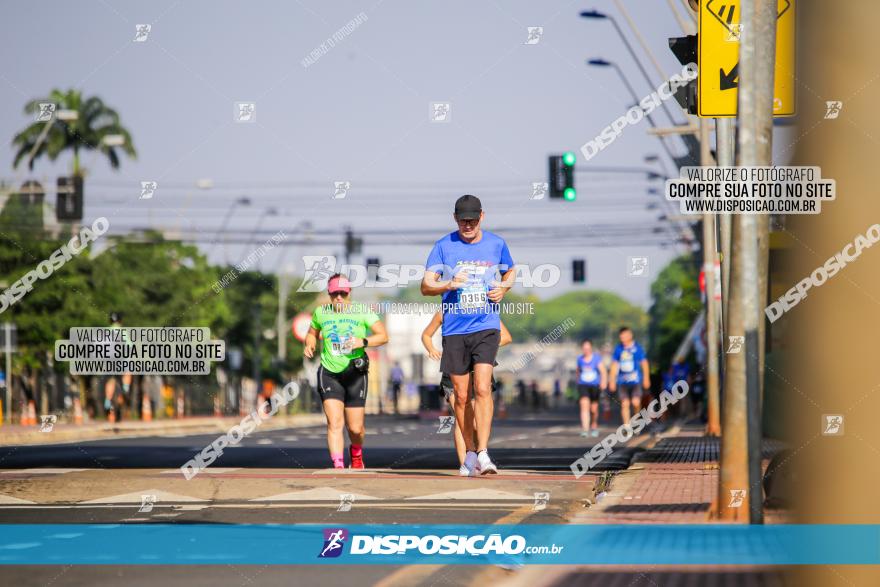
742 441
713 426
763 65
650 119
8 328
651 84
725 147
281 322
258 335
766 45
688 27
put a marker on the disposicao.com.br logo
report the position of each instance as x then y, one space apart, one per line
450 544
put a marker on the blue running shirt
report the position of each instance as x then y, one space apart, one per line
469 309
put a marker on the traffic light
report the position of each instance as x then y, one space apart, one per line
372 268
578 271
562 176
685 50
69 204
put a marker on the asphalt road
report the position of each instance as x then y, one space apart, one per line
281 476
542 442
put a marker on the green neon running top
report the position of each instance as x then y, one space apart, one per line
339 330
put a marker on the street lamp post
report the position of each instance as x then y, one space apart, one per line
598 62
595 14
243 201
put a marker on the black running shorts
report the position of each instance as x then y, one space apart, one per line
629 391
462 351
348 386
590 391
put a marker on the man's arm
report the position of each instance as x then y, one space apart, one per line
603 376
646 374
612 378
504 286
432 286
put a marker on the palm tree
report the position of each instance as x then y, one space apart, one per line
95 121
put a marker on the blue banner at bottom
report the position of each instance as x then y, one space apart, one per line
205 544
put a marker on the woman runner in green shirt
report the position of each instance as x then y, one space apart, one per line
344 370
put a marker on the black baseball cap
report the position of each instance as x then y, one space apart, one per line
468 207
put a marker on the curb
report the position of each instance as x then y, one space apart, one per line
138 430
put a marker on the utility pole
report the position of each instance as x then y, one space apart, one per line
8 340
713 426
281 319
725 147
742 440
258 336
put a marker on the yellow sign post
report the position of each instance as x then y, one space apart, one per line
718 58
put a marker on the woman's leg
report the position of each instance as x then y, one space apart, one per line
460 449
334 411
585 413
354 421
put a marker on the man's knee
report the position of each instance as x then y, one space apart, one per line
356 429
335 424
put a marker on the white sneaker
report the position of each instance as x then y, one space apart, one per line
468 469
485 465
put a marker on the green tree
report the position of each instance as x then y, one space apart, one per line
95 121
596 315
157 283
675 304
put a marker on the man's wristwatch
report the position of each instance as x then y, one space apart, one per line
366 342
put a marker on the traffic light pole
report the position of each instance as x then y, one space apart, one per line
713 426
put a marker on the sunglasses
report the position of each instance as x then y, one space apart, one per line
333 294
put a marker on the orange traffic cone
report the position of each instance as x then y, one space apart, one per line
77 411
217 413
32 413
146 409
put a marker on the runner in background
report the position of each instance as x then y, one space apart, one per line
446 387
396 385
592 380
344 370
115 399
629 373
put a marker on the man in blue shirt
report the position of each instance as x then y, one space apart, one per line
464 267
629 373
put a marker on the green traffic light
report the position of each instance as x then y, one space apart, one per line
569 194
568 158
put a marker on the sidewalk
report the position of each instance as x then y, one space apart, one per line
14 434
674 481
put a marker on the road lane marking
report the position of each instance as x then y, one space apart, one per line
9 500
137 498
209 471
482 494
44 471
315 494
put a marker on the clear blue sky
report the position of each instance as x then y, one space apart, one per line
360 113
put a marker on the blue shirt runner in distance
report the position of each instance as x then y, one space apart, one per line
629 361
